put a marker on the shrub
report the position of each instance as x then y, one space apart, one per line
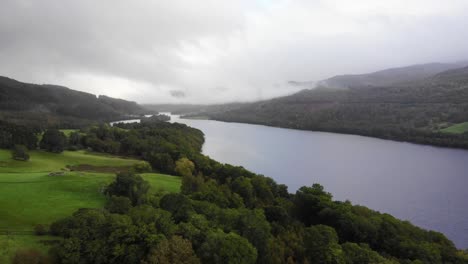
20 152
142 167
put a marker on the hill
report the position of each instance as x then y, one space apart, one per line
416 111
391 76
58 105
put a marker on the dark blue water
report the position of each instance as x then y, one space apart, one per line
425 185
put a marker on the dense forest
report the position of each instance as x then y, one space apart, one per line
51 105
223 213
415 112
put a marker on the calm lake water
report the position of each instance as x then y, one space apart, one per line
423 184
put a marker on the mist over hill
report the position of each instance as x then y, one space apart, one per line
392 76
415 108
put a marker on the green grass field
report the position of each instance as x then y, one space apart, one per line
457 129
41 161
29 196
67 132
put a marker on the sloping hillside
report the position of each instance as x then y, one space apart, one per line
414 112
24 102
391 76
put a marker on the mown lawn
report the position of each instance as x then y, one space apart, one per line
29 196
41 161
457 129
28 199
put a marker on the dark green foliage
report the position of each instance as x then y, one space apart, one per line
94 236
155 220
309 201
179 205
321 245
230 248
20 152
118 204
141 167
11 135
53 140
173 250
131 186
50 105
362 254
161 143
75 140
226 214
162 162
156 119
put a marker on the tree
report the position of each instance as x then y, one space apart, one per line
362 254
118 204
191 184
179 205
74 140
162 162
184 167
230 248
20 152
141 167
321 245
309 201
174 250
53 140
243 186
131 186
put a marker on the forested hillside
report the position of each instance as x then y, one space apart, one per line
56 105
415 112
391 76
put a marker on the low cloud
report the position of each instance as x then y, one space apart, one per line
218 51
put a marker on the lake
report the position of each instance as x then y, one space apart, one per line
423 184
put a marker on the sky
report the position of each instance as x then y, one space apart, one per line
215 51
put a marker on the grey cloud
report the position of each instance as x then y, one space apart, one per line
147 50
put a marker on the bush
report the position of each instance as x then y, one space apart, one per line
142 167
20 152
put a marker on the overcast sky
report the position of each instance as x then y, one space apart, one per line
220 51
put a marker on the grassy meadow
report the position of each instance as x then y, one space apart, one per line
29 196
457 129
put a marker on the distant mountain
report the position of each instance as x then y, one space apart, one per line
58 105
414 111
402 75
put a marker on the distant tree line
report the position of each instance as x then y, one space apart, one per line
413 112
